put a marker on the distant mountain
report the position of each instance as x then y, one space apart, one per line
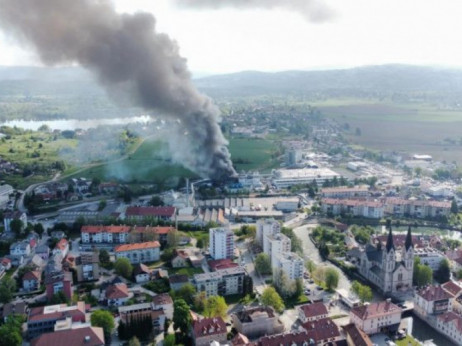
384 78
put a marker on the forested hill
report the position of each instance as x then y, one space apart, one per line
347 82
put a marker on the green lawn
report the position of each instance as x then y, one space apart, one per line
292 302
190 271
253 154
407 341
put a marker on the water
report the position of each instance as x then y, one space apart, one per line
422 332
72 124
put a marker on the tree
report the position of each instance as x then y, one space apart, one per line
271 298
173 237
248 285
310 266
17 226
38 228
169 340
181 316
323 250
105 320
263 263
331 278
156 201
10 332
444 271
459 274
298 287
284 285
102 204
104 257
7 288
423 274
363 292
123 267
187 293
454 207
134 342
215 306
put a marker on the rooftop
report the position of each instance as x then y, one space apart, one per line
433 293
162 299
117 291
321 329
150 211
107 229
208 326
137 246
375 309
86 336
358 337
313 310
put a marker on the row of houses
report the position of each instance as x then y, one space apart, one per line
378 208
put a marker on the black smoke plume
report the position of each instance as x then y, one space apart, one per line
133 62
312 10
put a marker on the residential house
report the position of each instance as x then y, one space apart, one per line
206 330
13 215
6 263
58 282
221 243
14 308
20 249
222 282
87 266
85 336
376 317
99 234
62 247
322 331
226 263
240 340
293 338
312 312
257 321
355 336
178 281
455 290
165 302
432 300
139 252
346 192
43 251
291 264
357 207
181 259
43 319
117 294
57 235
31 280
450 324
142 273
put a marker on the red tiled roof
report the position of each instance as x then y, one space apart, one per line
32 275
117 291
321 329
358 337
106 229
150 211
208 326
6 261
375 309
313 310
451 317
37 314
292 338
87 336
141 269
61 245
452 288
221 264
433 293
239 340
137 246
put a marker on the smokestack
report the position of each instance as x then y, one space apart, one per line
133 62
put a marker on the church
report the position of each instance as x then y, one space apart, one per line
386 267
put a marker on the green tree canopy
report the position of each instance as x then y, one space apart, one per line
123 267
181 316
10 332
169 340
17 226
271 298
103 319
215 306
7 288
332 277
310 266
363 292
104 257
263 263
187 293
444 271
134 342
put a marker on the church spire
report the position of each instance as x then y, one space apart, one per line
408 242
390 244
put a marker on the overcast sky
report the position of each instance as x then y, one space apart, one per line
360 32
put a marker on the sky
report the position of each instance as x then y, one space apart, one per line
358 32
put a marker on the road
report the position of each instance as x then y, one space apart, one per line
258 282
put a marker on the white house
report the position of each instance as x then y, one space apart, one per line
139 252
432 300
450 324
13 215
375 317
165 302
62 248
20 248
312 312
117 295
31 280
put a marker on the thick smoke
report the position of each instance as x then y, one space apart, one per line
133 62
312 10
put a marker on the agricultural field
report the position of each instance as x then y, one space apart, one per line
254 154
405 128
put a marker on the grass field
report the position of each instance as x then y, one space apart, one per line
406 128
150 162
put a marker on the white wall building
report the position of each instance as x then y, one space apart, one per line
450 324
275 245
221 282
291 264
221 243
432 300
20 248
139 252
284 178
266 227
374 317
430 257
104 234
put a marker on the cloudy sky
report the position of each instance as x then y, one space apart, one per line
354 33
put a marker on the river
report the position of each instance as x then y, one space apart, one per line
72 124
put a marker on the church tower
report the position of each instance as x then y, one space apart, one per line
408 251
388 263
